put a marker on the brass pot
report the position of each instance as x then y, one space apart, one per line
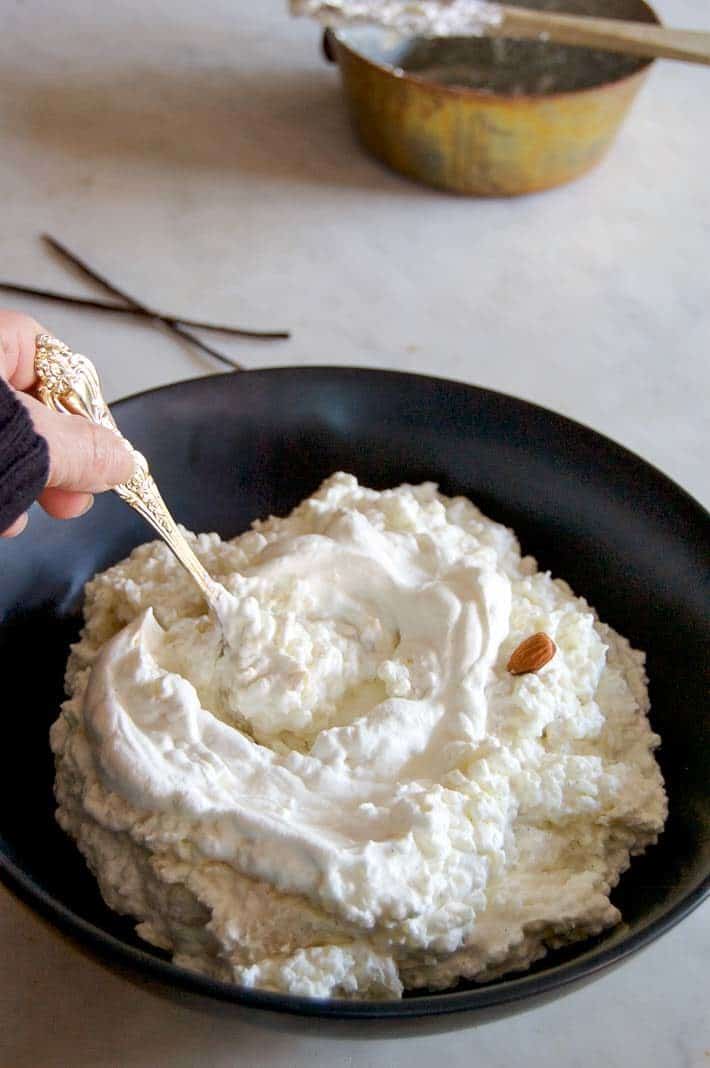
486 116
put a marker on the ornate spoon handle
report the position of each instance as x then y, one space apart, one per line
68 383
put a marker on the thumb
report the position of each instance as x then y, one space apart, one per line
82 457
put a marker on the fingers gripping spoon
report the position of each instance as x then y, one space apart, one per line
68 383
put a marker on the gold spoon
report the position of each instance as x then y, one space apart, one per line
68 383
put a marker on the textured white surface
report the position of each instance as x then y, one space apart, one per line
431 18
201 154
412 813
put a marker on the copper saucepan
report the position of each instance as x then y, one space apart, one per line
484 116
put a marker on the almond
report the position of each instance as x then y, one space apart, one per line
532 654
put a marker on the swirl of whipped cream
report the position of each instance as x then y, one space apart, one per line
355 795
358 820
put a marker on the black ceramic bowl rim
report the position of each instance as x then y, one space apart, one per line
554 980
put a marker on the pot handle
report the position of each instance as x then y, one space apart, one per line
328 46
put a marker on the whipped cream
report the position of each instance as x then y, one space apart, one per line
415 18
355 796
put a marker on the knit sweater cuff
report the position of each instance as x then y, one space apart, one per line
24 458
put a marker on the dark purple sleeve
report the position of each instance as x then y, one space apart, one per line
24 458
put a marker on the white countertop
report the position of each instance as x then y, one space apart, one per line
199 154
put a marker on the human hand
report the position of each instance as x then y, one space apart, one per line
83 459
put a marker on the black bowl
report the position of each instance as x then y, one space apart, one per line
228 449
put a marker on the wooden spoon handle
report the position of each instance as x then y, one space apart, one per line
611 35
